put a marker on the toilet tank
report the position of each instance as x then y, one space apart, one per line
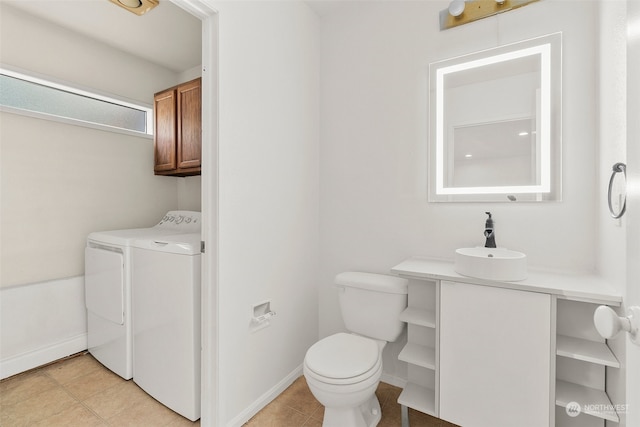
371 303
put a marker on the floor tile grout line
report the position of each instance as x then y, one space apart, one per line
44 372
58 386
69 392
306 422
60 410
120 411
308 416
28 396
92 411
75 399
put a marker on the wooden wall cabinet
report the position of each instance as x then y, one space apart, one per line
177 140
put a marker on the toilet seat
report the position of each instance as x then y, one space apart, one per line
343 359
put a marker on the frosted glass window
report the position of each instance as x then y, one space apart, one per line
29 96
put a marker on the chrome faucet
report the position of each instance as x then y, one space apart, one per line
489 233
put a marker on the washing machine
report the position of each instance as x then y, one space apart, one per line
108 287
166 320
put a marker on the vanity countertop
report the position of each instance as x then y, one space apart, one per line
578 287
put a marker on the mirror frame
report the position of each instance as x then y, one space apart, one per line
549 188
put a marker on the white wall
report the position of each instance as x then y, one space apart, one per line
59 181
190 193
268 57
612 130
374 132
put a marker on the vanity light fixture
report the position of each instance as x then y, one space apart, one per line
456 7
139 7
462 12
131 3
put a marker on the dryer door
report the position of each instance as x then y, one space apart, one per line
104 283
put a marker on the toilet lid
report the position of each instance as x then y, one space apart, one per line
342 356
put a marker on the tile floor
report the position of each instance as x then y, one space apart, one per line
79 391
296 407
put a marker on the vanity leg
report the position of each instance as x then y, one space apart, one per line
404 410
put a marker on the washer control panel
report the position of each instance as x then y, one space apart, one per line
189 221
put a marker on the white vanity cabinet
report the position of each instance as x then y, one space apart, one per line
502 354
495 356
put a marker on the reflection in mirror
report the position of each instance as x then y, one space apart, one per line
489 154
495 124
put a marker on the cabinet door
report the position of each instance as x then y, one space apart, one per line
189 125
164 140
495 356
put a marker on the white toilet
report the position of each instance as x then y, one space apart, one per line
344 369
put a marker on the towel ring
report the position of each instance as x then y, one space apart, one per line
617 168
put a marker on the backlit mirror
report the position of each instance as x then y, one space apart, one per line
495 124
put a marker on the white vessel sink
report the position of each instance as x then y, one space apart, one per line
491 263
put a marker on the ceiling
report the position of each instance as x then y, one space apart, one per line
166 35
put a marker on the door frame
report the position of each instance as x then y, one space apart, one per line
632 294
203 10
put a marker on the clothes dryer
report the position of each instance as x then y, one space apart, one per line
108 287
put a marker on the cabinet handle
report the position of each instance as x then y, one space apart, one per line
609 324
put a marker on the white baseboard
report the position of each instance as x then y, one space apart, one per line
41 322
265 399
34 358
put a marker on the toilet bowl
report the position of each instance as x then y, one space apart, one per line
343 370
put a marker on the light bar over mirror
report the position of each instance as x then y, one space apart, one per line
139 7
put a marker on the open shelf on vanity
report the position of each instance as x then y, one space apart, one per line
586 350
419 398
419 355
592 401
418 316
420 351
581 363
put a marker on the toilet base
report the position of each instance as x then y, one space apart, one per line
366 415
